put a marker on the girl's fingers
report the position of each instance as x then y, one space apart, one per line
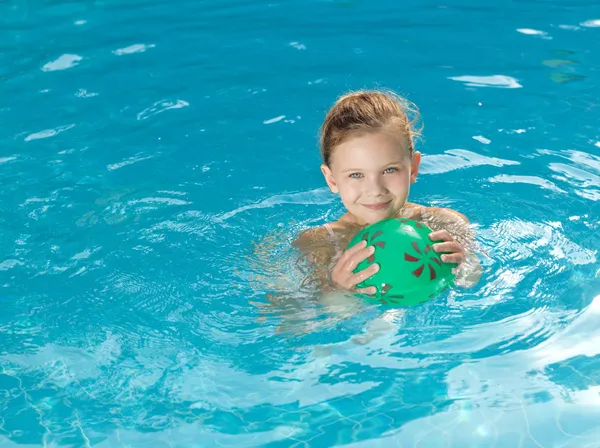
357 257
358 246
453 258
350 252
364 274
438 235
449 246
343 273
371 290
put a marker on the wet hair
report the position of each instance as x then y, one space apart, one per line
368 111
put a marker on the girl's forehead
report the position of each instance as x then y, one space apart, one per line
370 149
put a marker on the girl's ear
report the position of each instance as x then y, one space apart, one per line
329 179
414 166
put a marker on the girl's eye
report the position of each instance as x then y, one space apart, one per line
390 170
356 175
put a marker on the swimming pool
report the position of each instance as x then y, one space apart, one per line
157 159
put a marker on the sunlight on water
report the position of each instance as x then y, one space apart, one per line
159 160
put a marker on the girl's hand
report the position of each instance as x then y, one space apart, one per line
455 253
342 275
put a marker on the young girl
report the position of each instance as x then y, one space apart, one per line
369 159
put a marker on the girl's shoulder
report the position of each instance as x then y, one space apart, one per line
331 233
310 235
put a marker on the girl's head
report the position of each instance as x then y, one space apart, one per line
367 146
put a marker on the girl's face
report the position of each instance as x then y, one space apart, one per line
372 173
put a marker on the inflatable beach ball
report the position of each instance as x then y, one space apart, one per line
410 272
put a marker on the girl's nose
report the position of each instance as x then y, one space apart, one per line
375 187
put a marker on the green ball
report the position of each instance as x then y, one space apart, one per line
410 272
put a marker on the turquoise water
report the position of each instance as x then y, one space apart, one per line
157 158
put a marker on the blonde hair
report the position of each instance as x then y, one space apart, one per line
368 111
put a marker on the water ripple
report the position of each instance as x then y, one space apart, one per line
454 159
497 81
64 62
160 107
531 180
48 133
135 48
150 293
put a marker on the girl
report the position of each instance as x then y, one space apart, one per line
369 159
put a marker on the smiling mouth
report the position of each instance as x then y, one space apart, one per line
380 206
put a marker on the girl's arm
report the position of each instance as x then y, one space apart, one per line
317 251
469 271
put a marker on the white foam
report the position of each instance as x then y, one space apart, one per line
82 93
48 133
128 161
595 23
82 255
160 107
482 139
135 48
274 120
532 180
531 32
9 264
168 201
455 159
497 81
298 45
62 63
313 197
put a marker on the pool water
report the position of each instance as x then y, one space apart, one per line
157 159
